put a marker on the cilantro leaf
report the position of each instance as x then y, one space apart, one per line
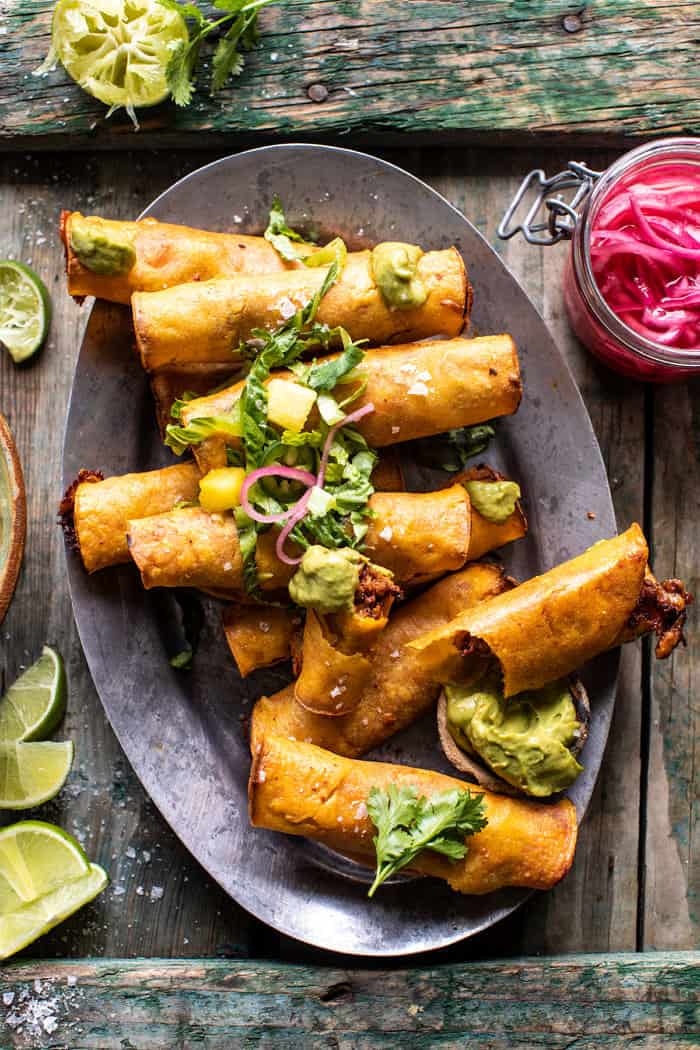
407 824
241 35
187 10
179 71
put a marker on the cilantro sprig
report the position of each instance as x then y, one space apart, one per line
407 824
228 61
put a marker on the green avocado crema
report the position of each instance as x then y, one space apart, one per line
395 269
326 580
494 500
97 251
525 739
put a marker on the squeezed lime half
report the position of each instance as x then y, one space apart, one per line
117 50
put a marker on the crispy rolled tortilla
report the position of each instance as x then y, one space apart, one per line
418 536
549 626
336 649
259 635
204 322
165 255
188 548
486 535
417 390
301 789
399 690
95 510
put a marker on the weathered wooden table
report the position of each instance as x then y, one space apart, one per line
494 72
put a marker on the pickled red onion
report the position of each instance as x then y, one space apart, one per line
297 513
645 254
277 471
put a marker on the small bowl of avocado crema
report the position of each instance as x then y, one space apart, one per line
526 745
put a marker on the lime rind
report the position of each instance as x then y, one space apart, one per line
35 858
118 50
20 927
33 772
35 703
25 310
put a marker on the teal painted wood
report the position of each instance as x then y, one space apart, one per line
492 70
586 1001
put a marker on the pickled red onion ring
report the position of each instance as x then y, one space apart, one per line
276 471
298 512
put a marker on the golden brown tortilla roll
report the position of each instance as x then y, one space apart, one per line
166 255
387 475
331 681
300 789
259 635
485 535
204 322
336 649
187 548
95 510
417 536
400 690
551 625
417 390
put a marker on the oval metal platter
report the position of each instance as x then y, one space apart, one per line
185 733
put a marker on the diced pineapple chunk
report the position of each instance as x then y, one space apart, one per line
220 489
289 404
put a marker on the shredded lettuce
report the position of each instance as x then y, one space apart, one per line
279 234
179 438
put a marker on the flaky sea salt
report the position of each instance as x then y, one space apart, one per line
386 533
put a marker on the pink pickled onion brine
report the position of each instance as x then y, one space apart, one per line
645 253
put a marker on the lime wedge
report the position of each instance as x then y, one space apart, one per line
117 50
36 858
13 516
25 310
32 773
24 924
34 705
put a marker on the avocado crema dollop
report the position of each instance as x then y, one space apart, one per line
395 270
524 739
326 580
98 251
494 500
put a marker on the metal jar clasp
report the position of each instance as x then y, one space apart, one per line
561 217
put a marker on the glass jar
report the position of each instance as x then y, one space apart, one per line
598 327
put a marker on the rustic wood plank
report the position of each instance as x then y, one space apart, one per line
588 1001
672 892
489 70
